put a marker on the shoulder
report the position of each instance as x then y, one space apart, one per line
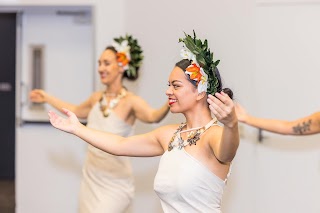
95 96
134 100
165 133
213 134
132 97
168 128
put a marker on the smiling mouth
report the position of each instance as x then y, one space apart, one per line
103 75
172 101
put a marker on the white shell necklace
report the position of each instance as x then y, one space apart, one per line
108 106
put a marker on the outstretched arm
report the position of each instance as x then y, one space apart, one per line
146 113
303 126
223 108
140 145
40 96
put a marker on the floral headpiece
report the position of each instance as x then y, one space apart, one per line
129 54
202 68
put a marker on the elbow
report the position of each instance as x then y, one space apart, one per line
157 120
226 159
227 156
153 118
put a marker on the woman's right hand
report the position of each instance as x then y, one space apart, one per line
37 96
69 124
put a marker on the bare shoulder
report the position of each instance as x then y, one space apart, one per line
133 97
168 128
134 100
95 97
165 133
213 134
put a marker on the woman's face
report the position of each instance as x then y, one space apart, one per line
181 93
109 69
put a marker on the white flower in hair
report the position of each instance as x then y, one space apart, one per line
187 54
203 83
123 54
122 47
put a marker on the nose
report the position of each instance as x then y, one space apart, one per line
169 91
100 68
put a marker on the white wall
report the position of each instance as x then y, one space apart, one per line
230 28
286 78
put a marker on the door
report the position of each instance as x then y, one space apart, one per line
7 94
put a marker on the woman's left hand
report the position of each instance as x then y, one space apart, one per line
222 106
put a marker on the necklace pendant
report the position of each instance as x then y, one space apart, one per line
181 143
194 139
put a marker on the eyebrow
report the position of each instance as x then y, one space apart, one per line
99 61
174 81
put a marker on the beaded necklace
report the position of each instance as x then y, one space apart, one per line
192 137
107 107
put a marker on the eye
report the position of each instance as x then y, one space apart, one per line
175 86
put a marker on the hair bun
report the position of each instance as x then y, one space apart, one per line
228 92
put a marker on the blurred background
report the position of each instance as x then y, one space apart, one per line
269 58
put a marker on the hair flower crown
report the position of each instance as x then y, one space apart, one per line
129 54
202 68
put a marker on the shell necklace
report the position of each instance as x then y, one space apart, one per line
192 137
107 106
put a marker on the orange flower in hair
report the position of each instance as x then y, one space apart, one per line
129 54
194 71
122 58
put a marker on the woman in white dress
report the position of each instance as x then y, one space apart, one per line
107 182
197 154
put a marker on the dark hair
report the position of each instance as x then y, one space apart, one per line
125 74
184 63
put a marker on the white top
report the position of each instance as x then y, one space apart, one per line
107 180
184 184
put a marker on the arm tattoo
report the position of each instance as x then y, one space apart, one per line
302 128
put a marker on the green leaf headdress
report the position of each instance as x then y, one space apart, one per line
129 54
202 68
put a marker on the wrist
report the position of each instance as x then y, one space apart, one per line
45 98
78 128
233 124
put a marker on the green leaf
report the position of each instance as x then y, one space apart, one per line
204 58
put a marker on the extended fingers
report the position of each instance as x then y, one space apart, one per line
68 112
53 117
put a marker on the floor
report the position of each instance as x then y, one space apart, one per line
7 196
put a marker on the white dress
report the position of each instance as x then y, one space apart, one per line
107 183
184 184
